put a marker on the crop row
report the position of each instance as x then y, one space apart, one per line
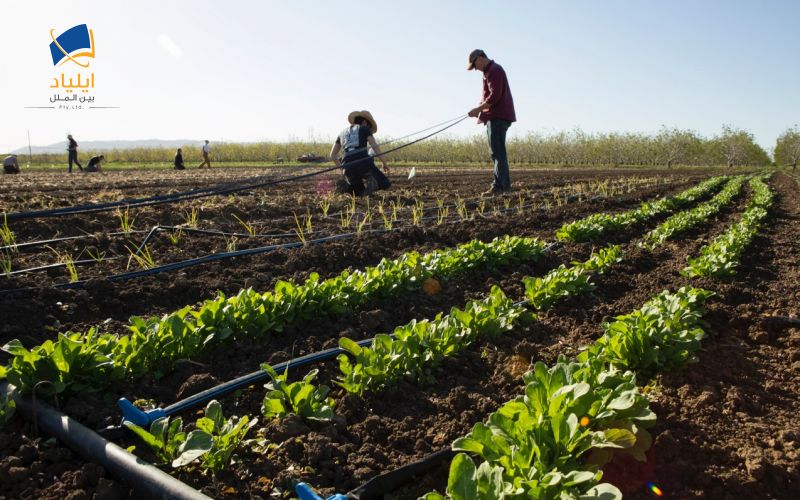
77 361
685 220
595 225
552 441
720 258
412 351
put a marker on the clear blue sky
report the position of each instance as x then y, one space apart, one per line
255 70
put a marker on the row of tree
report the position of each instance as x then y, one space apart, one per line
669 147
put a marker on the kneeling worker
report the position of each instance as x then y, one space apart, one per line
10 165
179 160
94 163
357 164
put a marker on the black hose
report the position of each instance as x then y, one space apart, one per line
146 479
228 188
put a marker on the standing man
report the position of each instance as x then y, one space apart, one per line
72 151
206 151
496 110
10 165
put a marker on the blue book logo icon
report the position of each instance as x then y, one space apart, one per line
77 41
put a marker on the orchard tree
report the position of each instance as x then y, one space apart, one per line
787 148
677 146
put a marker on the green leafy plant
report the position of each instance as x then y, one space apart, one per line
226 436
170 443
419 346
720 258
664 334
7 409
595 225
73 363
301 398
685 220
154 344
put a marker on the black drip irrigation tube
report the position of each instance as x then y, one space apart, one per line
146 479
228 188
31 244
175 266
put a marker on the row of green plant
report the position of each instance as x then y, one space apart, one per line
592 227
77 362
720 258
687 219
417 348
551 442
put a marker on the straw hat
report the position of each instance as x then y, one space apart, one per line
373 125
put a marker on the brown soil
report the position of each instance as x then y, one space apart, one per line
738 443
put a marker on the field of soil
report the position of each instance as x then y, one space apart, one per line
725 424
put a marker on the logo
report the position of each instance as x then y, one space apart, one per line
72 45
72 83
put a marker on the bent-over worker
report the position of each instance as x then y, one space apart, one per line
94 163
357 164
10 165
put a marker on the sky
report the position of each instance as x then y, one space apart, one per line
293 70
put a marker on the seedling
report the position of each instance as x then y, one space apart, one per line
66 259
226 436
300 398
247 227
175 237
299 229
171 444
7 235
5 263
417 211
325 205
125 221
97 255
231 243
441 215
142 256
364 221
190 218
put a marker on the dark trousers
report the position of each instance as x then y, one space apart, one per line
380 177
73 158
496 131
355 171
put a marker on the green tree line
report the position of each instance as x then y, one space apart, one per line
668 147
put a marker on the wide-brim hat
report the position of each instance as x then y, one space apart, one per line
373 125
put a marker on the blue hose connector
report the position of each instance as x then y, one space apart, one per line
136 416
306 492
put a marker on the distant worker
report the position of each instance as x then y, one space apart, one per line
10 165
206 151
496 110
357 164
72 151
94 163
179 160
